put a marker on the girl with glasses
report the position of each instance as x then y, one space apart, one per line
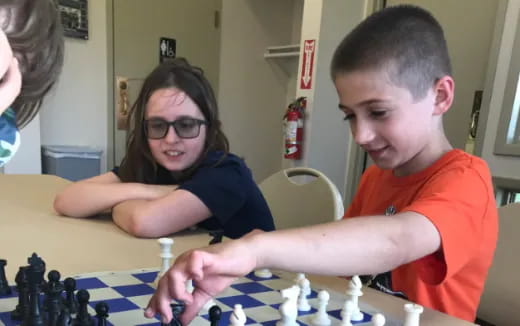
178 171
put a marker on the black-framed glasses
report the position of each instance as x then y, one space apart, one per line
157 128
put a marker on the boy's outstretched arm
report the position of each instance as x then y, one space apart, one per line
366 245
101 193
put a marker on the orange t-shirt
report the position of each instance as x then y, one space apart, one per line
456 195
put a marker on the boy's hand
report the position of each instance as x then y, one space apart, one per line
212 270
11 77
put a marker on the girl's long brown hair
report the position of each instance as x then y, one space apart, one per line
139 165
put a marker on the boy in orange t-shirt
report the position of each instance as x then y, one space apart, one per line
426 214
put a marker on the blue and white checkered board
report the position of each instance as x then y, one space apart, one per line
128 293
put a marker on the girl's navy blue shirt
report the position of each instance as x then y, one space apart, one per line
226 187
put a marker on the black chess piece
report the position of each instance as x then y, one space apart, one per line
34 272
177 310
215 313
5 289
22 288
70 298
102 313
53 299
64 319
216 236
83 318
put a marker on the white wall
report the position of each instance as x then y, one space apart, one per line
328 140
76 112
252 90
501 166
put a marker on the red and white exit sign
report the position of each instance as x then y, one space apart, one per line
309 48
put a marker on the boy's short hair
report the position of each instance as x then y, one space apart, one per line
35 34
405 40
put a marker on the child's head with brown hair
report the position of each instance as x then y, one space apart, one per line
393 77
35 37
174 123
405 41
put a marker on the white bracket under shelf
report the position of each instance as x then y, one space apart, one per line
282 51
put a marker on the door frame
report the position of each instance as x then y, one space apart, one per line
110 154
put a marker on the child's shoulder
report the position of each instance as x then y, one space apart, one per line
461 161
455 162
220 158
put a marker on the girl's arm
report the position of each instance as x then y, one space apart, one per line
98 194
161 216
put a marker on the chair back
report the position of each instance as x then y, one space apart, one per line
500 302
301 196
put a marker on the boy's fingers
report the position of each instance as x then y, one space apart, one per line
159 304
199 299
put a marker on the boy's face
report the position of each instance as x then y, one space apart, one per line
10 75
395 129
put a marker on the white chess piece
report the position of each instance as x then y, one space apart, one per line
353 293
297 280
189 286
413 312
263 273
238 316
346 313
207 305
165 244
288 309
321 318
303 303
378 320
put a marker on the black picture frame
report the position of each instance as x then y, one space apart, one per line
74 18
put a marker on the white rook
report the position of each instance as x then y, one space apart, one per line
413 312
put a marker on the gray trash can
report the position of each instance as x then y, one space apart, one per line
71 162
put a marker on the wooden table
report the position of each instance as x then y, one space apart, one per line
78 246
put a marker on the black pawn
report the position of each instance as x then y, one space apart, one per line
102 313
215 313
64 319
5 289
53 298
83 318
70 298
23 294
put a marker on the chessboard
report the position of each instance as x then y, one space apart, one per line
127 294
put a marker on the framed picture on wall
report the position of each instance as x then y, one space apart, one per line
74 18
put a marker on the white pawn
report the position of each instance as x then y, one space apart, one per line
303 303
413 312
353 293
238 316
321 318
165 244
288 309
346 313
378 320
263 273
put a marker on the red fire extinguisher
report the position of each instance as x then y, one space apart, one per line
294 121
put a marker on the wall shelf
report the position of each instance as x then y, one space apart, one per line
282 51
